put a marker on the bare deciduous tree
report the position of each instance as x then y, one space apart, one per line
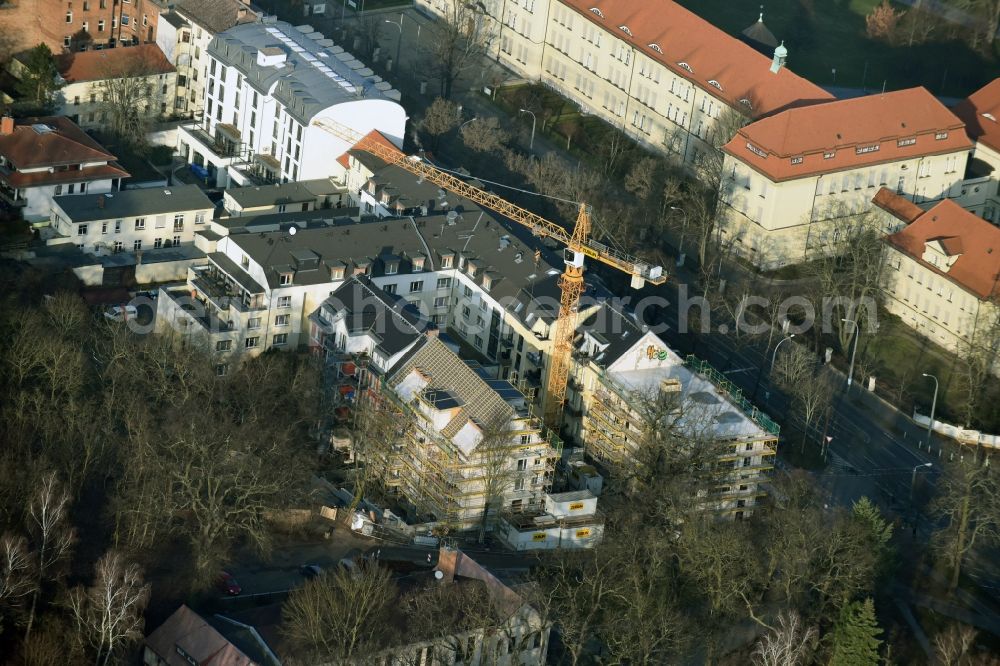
440 118
459 42
787 644
50 532
968 504
17 579
340 614
130 95
109 614
484 135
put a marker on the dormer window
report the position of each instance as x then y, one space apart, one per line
624 28
337 273
685 66
487 282
656 47
391 267
714 83
906 142
284 279
472 269
829 155
597 11
447 261
941 135
418 264
797 160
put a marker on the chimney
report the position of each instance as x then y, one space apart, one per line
6 125
100 201
780 56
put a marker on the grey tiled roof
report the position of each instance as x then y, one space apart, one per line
133 203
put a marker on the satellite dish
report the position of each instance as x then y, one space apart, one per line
292 230
438 575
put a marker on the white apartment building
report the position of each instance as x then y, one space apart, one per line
83 96
943 272
792 180
981 114
269 89
42 158
146 219
467 273
621 365
649 67
184 35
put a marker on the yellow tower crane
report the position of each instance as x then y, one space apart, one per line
578 246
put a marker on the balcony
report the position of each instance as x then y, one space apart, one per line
220 145
224 293
206 317
12 196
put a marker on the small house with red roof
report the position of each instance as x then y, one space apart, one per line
795 183
41 158
89 94
943 272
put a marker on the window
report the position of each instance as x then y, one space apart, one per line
479 342
126 19
446 261
522 464
100 25
76 100
199 218
280 339
81 230
941 135
285 279
223 345
221 369
157 243
468 292
136 245
416 285
253 322
86 26
282 320
284 301
444 283
140 224
179 222
69 16
441 302
177 240
251 342
66 41
69 188
118 247
58 190
389 289
118 226
104 227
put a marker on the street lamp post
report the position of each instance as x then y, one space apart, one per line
399 42
775 354
680 246
854 350
930 424
913 480
531 143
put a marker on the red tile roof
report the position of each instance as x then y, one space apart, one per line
186 630
981 113
900 207
976 241
108 63
849 133
375 136
712 54
108 171
50 142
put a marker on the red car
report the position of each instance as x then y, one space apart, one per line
228 584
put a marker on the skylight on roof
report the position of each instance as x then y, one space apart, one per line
747 103
990 116
597 11
656 47
624 28
713 82
684 65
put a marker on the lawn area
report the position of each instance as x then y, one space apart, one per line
897 357
823 35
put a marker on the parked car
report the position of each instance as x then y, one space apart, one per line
228 584
121 313
310 570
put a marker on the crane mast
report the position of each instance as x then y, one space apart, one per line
579 245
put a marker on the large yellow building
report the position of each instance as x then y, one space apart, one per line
943 272
791 182
652 68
